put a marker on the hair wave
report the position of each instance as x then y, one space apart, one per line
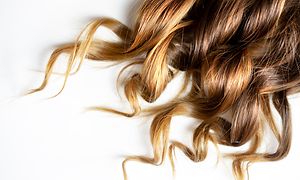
239 57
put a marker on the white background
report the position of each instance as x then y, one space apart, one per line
54 139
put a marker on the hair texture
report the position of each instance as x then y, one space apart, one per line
239 57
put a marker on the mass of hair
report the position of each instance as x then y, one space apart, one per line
240 57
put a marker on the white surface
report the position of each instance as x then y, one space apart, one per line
53 139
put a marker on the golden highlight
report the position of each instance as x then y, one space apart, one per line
239 57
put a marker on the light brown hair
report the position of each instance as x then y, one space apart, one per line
239 57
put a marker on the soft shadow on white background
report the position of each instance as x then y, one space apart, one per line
54 139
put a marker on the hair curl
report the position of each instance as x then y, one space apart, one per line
239 56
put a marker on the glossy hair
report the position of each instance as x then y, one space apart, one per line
240 57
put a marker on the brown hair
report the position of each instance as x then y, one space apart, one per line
239 57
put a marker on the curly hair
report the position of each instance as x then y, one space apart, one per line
239 57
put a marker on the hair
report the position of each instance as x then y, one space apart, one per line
238 56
